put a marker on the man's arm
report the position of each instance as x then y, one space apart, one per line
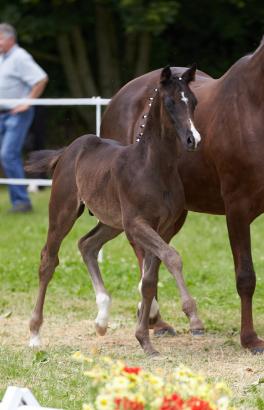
35 92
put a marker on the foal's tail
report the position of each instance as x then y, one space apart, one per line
44 160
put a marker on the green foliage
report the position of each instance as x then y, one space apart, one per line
40 357
156 32
260 403
153 16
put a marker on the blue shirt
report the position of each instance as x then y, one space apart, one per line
18 74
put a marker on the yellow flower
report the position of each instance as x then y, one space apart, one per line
139 398
107 360
119 383
157 402
88 359
110 380
133 378
87 407
103 402
97 373
78 356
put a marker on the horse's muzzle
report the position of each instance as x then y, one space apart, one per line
191 143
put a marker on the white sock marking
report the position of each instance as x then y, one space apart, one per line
103 302
34 340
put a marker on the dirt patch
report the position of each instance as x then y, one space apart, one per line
214 355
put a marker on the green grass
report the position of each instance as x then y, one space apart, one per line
70 307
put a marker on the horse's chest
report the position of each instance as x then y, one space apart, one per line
171 205
170 201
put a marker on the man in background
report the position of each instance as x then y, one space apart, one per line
20 77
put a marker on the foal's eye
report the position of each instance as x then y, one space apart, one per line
170 103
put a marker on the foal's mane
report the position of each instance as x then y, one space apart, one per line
152 97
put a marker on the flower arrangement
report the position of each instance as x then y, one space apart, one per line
115 386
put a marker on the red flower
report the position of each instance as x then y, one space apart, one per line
173 402
125 404
132 370
197 404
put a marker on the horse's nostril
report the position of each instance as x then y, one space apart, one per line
190 141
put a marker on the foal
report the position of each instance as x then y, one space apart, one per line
133 188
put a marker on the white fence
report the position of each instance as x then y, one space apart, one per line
98 102
17 398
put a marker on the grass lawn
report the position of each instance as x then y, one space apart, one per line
70 308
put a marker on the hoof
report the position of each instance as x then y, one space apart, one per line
101 331
153 353
34 341
257 350
251 342
197 332
165 332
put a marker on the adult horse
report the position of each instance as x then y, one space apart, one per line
226 175
133 188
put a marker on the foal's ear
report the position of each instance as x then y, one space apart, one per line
189 75
165 75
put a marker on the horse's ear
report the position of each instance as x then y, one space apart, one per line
189 74
165 75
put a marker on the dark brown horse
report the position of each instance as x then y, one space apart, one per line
225 176
133 188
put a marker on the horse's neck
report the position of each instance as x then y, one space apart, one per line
159 140
255 73
243 82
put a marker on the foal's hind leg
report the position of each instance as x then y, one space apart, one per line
90 246
61 220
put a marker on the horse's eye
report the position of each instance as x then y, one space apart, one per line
170 103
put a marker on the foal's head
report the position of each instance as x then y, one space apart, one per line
178 104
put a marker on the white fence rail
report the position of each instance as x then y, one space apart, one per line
17 398
95 101
25 181
98 102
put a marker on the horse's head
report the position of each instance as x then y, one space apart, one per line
179 103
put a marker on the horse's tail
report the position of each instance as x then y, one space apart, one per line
44 160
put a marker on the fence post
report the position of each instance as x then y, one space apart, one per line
98 118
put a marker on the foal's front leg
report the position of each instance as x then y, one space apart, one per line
188 305
90 246
148 290
160 327
146 237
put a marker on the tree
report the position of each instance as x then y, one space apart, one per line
93 47
99 43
